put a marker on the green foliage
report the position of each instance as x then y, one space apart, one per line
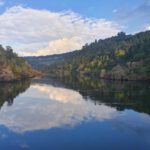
14 64
120 53
106 54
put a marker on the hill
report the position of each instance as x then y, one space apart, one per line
13 67
122 57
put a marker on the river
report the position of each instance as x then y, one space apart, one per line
68 114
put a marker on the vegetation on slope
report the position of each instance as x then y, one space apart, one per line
13 67
123 57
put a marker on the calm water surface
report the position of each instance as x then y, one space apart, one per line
83 114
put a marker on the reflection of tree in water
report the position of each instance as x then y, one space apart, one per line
9 91
121 95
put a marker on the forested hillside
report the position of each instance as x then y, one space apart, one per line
13 67
123 57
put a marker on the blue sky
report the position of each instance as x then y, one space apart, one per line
130 16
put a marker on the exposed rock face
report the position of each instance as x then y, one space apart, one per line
6 74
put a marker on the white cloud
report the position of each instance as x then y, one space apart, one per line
148 27
42 32
59 46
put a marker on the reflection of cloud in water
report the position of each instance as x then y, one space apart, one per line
57 108
60 94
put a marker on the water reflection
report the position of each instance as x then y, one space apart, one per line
11 90
59 94
121 95
45 105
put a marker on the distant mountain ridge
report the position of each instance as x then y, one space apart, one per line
42 62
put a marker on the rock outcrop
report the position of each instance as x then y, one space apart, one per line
6 74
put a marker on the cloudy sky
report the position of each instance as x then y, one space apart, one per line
47 27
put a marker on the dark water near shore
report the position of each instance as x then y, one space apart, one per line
68 114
